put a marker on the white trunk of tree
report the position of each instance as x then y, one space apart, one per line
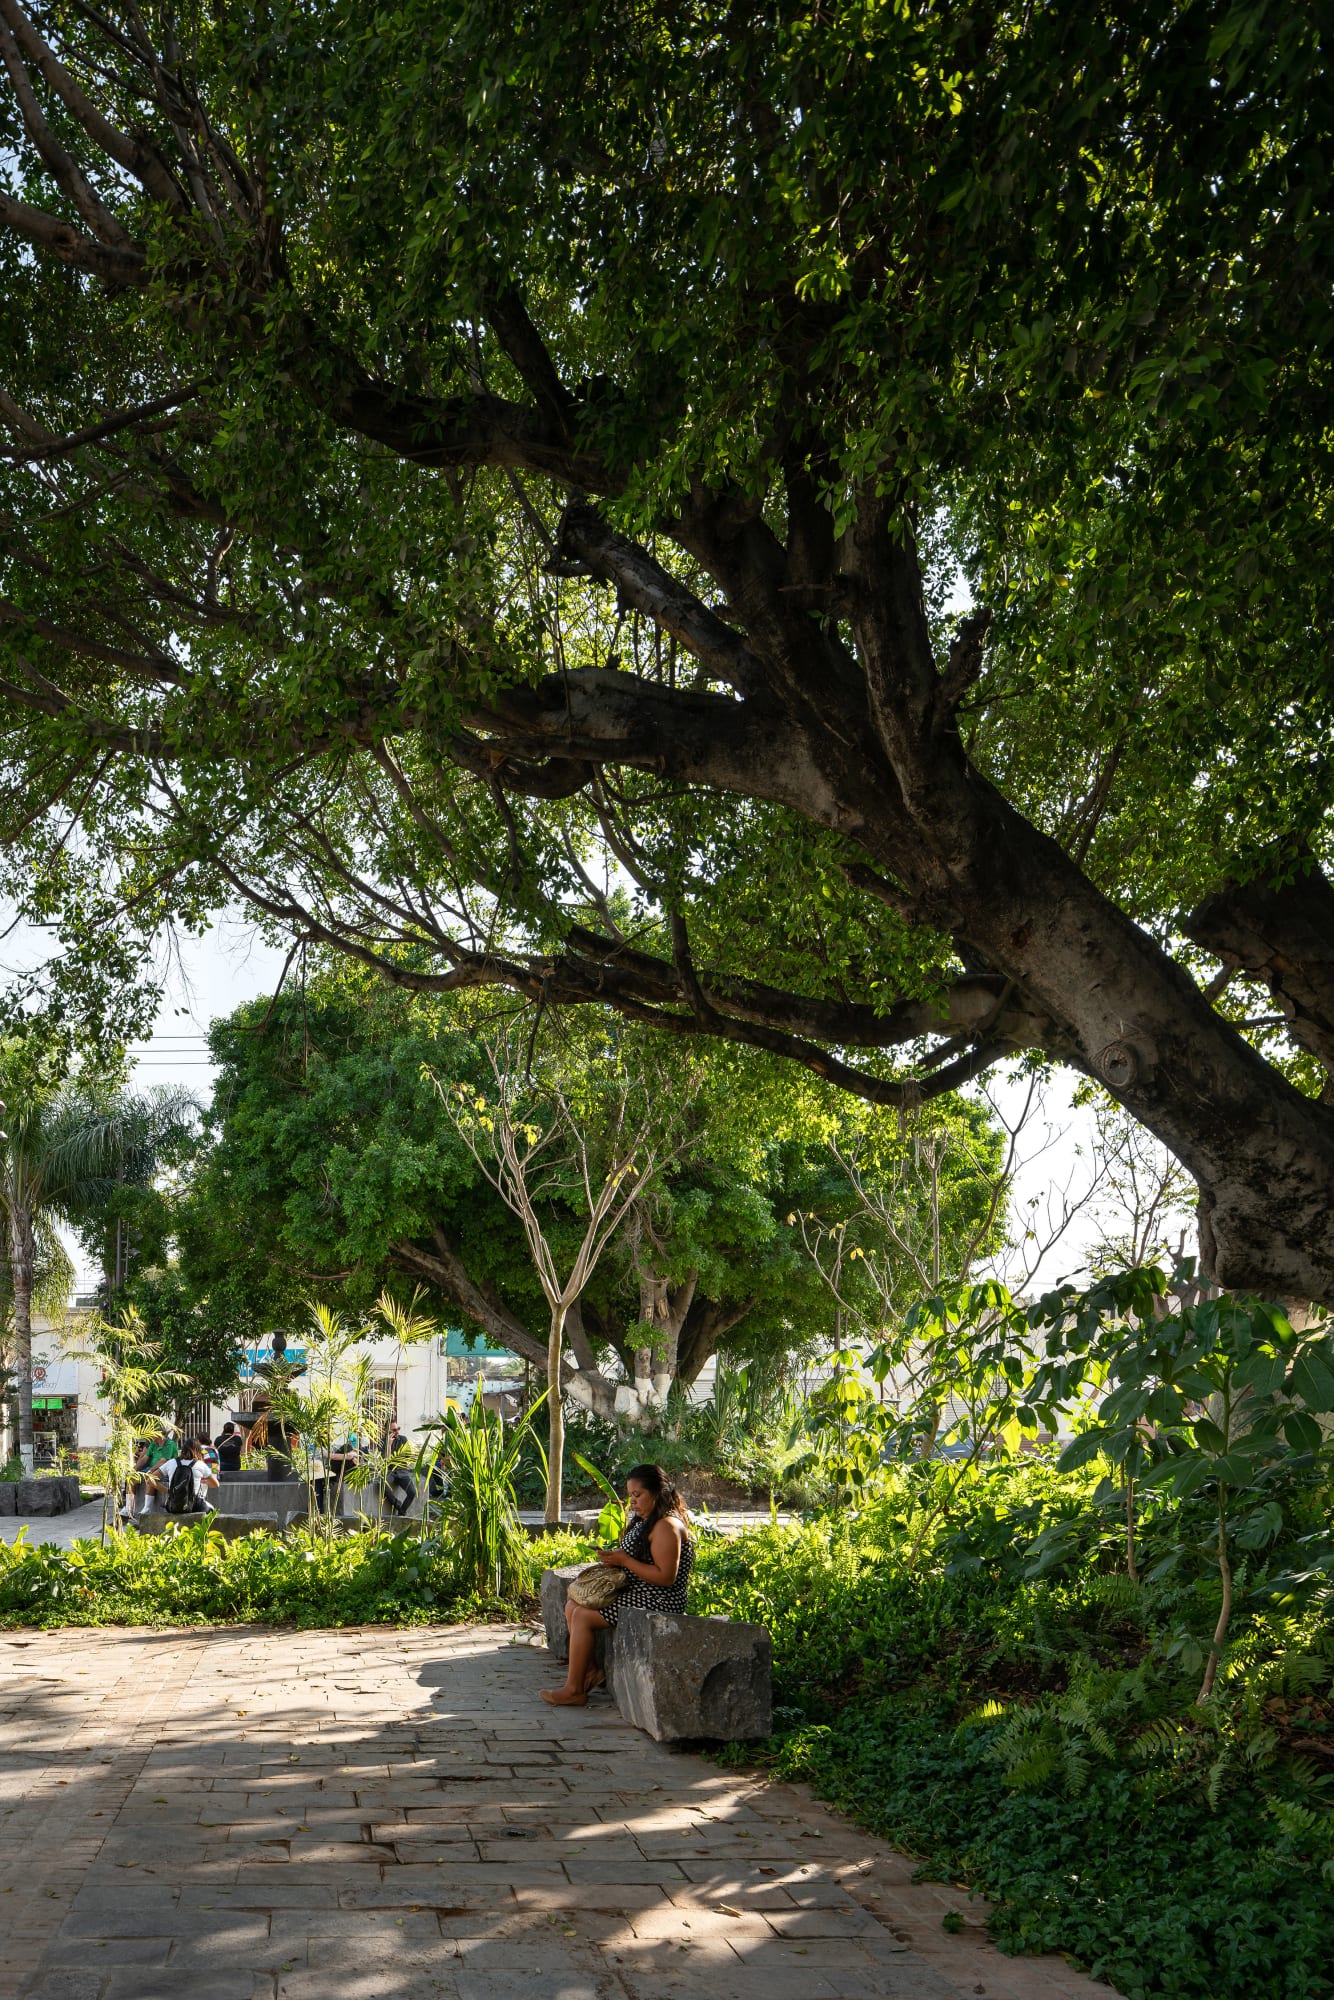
555 1419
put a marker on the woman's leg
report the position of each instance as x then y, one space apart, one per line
584 1629
594 1676
584 1624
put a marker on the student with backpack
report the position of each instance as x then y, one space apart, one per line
160 1459
192 1481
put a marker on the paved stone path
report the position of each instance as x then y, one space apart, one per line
80 1524
385 1815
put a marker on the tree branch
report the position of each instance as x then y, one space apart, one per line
137 156
62 240
525 347
61 447
587 546
67 175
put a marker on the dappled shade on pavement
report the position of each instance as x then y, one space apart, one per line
252 1814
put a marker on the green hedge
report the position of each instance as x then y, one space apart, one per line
194 1578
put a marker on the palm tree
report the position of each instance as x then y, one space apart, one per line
67 1146
52 1277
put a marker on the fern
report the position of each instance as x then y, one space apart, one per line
989 1711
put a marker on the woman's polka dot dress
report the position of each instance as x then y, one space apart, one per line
650 1596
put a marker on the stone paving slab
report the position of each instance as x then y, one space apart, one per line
250 1814
82 1523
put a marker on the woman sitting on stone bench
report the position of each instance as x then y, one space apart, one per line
657 1552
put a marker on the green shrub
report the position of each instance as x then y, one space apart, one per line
999 1699
194 1577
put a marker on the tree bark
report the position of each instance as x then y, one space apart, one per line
1285 936
22 1258
662 1308
555 1420
703 1327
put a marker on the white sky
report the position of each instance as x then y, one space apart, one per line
206 979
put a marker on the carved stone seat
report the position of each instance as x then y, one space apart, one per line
679 1678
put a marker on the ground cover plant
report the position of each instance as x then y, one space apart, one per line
1012 1708
998 1698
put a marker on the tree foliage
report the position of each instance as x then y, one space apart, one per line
454 458
78 1150
333 1169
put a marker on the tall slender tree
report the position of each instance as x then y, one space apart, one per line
68 1143
533 1141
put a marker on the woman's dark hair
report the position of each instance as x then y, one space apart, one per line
666 1499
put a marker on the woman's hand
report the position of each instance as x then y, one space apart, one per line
614 1558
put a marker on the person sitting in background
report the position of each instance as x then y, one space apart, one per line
328 1491
657 1553
192 1480
203 1475
160 1460
211 1458
400 1487
230 1443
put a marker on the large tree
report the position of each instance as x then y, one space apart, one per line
450 450
333 1170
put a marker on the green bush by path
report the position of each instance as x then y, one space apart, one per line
1174 1851
193 1577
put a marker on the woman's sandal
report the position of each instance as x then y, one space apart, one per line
594 1680
559 1699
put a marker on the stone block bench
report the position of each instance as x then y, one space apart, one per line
679 1678
40 1498
231 1526
255 1493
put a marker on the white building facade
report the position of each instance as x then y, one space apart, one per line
412 1384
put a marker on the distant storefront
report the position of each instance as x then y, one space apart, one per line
55 1408
415 1384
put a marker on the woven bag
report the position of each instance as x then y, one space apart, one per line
597 1585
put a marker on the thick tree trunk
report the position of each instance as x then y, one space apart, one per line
1117 1005
704 1325
662 1311
1262 1153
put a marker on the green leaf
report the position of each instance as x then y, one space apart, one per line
1302 1431
1263 1373
1313 1381
1083 1450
